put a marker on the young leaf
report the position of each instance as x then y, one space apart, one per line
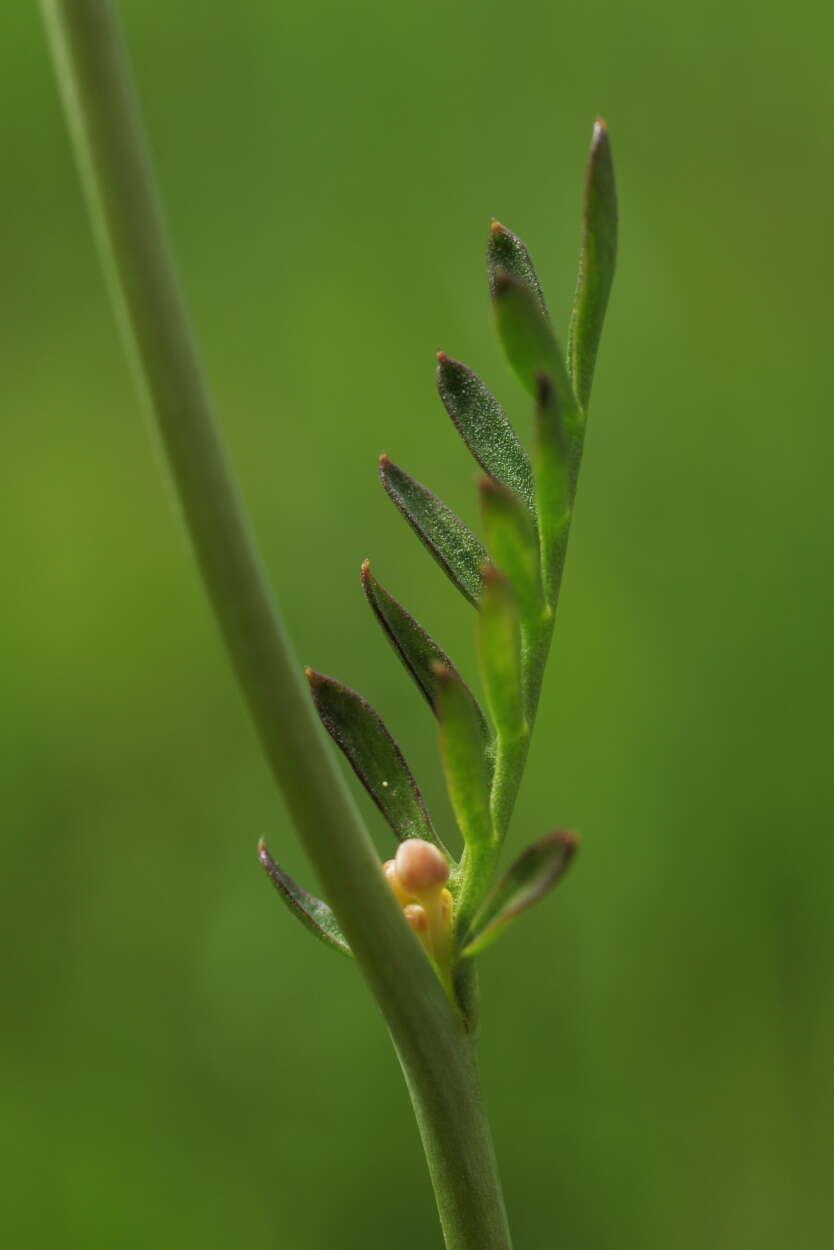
526 881
531 345
483 425
514 546
417 650
597 259
466 762
553 487
507 251
373 755
499 640
453 545
311 911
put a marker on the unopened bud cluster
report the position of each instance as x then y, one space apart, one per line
417 877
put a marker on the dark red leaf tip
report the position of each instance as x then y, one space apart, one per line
495 227
384 461
489 486
442 358
265 858
491 575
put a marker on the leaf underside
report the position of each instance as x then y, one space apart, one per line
513 544
418 651
466 758
597 260
499 639
450 541
374 756
484 427
530 344
507 253
555 461
313 913
533 874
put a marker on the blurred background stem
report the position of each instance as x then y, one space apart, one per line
436 1055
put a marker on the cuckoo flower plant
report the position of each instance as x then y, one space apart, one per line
416 923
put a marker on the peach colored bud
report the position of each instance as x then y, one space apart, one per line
402 896
420 866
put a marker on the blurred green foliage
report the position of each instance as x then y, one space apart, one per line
181 1064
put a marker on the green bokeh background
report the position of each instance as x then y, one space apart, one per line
181 1064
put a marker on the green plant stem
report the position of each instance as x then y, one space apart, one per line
434 1051
511 760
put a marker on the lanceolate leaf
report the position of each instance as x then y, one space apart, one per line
484 427
452 543
465 761
499 639
553 486
417 650
531 345
374 756
531 876
311 911
507 252
513 543
597 259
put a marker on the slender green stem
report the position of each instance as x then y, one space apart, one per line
435 1053
510 761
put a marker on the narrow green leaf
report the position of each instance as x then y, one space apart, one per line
484 427
553 465
466 763
311 911
527 880
507 252
499 643
373 755
417 649
597 261
453 545
531 345
514 546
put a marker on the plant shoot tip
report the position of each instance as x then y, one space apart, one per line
421 867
